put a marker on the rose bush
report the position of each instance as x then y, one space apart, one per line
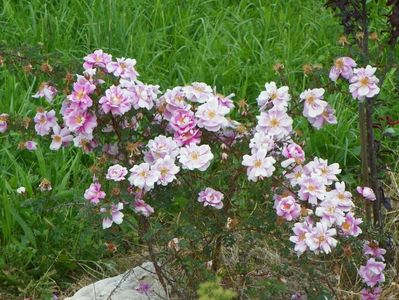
155 151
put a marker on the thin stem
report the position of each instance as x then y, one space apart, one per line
158 271
363 153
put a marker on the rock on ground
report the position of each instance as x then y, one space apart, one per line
123 287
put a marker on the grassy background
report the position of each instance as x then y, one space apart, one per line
45 241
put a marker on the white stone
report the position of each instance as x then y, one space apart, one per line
123 287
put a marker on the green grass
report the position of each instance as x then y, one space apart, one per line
230 44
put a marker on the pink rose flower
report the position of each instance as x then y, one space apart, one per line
182 121
261 140
116 100
364 83
97 59
288 208
312 189
94 193
116 173
330 213
225 101
114 215
160 147
342 67
60 137
275 122
142 208
195 157
80 94
342 197
167 170
320 238
211 115
44 122
294 154
211 197
372 273
144 95
367 193
81 122
47 91
192 136
351 225
299 238
259 165
314 105
279 97
198 92
143 176
371 294
173 100
326 117
124 68
371 248
31 145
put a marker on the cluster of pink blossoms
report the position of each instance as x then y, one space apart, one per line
372 273
363 82
314 184
187 111
331 210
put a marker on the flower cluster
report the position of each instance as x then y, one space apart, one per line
312 187
372 272
184 112
363 82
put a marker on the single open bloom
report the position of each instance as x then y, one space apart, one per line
259 165
116 173
372 272
211 197
288 208
94 193
195 157
364 83
44 122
